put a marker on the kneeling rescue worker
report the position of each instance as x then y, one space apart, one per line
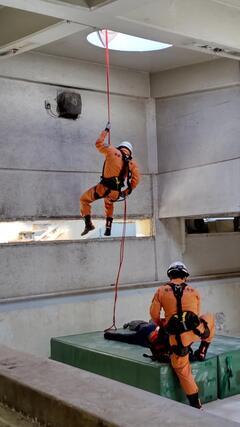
117 168
184 324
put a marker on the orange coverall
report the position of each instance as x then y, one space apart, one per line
164 298
112 168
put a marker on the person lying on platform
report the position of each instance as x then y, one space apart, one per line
181 304
145 334
148 334
118 168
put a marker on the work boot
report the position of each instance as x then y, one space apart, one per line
200 354
109 221
88 225
194 400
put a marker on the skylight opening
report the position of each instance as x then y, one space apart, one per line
124 42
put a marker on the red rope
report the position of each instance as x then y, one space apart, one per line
107 80
125 202
122 247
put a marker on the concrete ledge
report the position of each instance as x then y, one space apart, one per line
123 287
60 396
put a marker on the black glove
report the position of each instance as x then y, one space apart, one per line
108 127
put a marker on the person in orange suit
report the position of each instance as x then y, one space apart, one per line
181 304
118 168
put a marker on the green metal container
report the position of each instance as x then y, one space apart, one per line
228 374
125 363
227 350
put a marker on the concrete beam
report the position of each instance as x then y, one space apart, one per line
22 30
53 393
54 8
103 16
16 24
213 27
40 38
210 23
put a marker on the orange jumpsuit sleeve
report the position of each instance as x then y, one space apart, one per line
198 302
155 307
100 144
135 178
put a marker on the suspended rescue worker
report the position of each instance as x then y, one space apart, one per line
181 304
117 168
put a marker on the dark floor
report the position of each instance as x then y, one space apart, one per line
10 418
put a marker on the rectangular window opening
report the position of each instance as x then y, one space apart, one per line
66 229
213 225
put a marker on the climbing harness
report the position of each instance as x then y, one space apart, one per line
116 183
184 321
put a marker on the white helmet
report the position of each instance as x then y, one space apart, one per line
127 145
177 267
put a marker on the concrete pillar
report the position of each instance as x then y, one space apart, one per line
169 238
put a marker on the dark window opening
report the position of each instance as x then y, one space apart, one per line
212 225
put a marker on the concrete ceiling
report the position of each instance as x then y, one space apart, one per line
15 24
199 30
77 46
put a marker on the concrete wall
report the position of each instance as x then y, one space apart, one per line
30 325
55 70
197 115
46 163
212 253
198 138
198 129
199 152
209 75
209 190
35 269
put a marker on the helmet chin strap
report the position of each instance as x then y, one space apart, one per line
178 281
126 151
